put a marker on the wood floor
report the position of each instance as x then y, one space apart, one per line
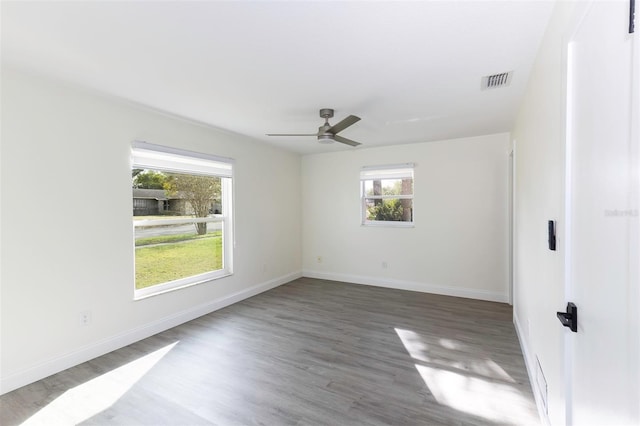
310 352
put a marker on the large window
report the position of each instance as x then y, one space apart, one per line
386 194
182 218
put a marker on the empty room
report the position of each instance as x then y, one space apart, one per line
320 213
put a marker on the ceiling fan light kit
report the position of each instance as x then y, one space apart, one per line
328 133
325 139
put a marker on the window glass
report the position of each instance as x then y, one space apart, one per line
181 220
387 195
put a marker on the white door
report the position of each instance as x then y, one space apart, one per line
602 214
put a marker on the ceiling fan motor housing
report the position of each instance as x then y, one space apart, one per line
324 136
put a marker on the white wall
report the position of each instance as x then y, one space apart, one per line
459 243
67 243
539 281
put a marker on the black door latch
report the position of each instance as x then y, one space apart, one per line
569 318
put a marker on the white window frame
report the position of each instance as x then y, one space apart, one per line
388 171
150 156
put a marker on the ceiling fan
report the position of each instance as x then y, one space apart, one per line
328 133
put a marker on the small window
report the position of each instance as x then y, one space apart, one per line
386 194
182 218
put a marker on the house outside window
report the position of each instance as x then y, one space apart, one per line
182 218
386 194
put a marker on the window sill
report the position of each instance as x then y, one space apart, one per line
383 224
158 289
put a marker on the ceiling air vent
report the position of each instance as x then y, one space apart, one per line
496 80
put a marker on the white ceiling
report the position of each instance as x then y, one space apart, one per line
410 70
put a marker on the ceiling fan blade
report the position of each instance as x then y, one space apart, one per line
292 134
352 119
346 141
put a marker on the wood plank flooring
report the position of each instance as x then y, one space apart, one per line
311 352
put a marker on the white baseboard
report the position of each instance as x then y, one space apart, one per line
530 363
101 347
468 293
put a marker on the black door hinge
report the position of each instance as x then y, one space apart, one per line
632 16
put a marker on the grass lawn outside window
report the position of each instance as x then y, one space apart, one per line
168 258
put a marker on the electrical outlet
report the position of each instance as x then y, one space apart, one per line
85 318
265 267
319 259
385 265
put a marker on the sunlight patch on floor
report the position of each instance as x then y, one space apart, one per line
413 343
88 399
450 344
496 402
419 350
460 377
